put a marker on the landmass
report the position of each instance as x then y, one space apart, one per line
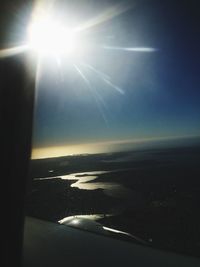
156 194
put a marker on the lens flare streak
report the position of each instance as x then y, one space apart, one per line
99 73
106 15
131 49
8 52
94 93
106 79
114 86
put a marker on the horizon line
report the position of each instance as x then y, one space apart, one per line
95 147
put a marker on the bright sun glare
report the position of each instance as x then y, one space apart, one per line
66 39
47 36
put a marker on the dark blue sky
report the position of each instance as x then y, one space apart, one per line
161 89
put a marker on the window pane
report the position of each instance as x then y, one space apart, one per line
116 127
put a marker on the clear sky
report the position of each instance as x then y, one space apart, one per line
111 94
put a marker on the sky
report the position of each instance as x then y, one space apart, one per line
109 94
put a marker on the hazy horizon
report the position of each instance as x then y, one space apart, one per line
113 146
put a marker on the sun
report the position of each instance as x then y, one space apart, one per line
47 36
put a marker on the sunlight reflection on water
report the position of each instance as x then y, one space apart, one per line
85 181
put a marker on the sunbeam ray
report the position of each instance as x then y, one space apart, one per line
83 76
108 14
99 73
58 61
8 52
105 78
131 49
121 91
38 74
95 95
